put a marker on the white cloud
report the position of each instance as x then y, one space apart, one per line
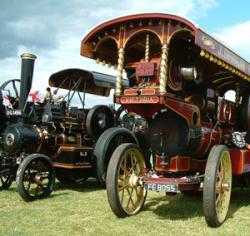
238 37
187 8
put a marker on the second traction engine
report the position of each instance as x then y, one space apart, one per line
52 139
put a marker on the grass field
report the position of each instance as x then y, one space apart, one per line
83 210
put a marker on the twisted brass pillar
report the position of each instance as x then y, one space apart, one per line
163 69
147 48
119 71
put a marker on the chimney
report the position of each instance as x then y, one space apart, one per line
26 77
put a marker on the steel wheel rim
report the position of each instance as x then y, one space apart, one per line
223 186
35 181
130 187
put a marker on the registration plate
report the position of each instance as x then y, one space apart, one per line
12 112
161 187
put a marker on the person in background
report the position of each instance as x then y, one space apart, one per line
48 96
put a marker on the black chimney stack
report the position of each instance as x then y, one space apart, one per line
26 77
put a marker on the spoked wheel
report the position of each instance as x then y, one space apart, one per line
6 181
105 146
126 194
35 177
217 186
12 87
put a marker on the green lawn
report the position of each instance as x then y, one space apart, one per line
83 210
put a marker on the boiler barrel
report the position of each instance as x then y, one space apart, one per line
212 136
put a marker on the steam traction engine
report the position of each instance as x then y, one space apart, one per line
48 139
195 139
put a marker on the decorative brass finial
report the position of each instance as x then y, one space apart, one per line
211 58
202 53
28 56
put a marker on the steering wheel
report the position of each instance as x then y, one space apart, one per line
11 86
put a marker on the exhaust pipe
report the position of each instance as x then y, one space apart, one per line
26 77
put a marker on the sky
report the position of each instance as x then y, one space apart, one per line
53 30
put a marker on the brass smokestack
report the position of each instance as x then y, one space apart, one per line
26 77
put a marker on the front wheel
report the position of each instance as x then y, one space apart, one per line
126 194
35 177
6 181
217 186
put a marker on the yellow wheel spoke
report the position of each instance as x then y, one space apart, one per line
128 198
122 197
123 187
132 201
123 168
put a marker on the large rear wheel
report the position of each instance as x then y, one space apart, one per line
99 119
126 194
105 146
35 177
217 186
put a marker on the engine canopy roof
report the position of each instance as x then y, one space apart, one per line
83 81
103 41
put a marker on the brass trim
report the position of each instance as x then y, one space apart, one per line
222 85
222 78
28 56
143 30
72 166
176 32
202 53
147 48
103 40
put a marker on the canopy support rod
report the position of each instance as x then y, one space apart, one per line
147 48
119 73
163 69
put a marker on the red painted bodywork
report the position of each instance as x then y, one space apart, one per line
240 160
181 164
